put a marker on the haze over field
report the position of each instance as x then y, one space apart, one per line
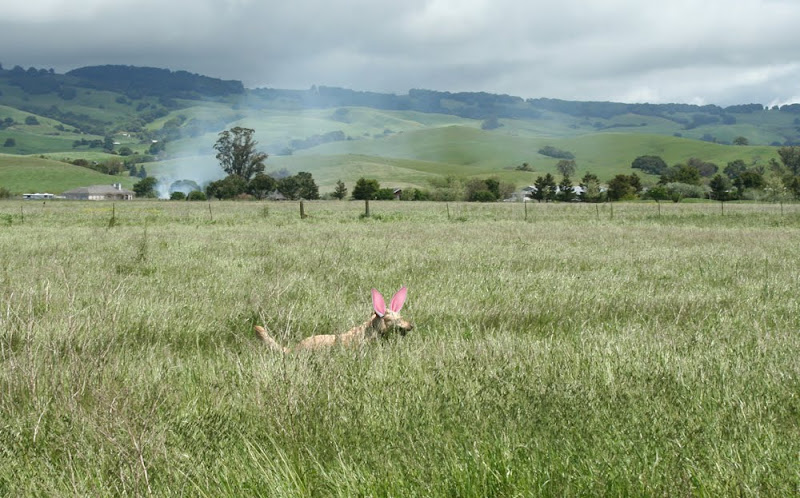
688 51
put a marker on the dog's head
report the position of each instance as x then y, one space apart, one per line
389 321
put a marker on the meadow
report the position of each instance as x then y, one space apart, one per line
574 350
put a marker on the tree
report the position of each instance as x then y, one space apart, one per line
719 187
681 173
306 186
261 185
545 188
658 193
478 190
741 141
196 195
548 187
237 154
749 180
550 151
566 192
792 184
650 164
635 182
227 188
705 168
145 187
31 120
289 187
623 187
566 167
790 157
365 189
177 196
735 168
591 188
340 192
10 142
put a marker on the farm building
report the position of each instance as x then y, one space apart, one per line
113 192
38 196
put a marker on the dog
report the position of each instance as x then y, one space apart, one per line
381 325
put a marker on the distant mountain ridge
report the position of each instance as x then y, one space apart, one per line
103 99
140 81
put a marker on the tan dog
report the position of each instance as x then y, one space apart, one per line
380 325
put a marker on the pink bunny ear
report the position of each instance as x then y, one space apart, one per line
398 300
378 304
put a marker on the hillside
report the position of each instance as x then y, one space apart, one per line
22 174
168 121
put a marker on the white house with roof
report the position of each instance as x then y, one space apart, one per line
113 192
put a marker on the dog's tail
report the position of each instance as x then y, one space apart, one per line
261 332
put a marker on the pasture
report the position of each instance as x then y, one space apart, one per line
580 351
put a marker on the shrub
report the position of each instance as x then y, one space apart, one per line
684 190
5 193
196 195
365 189
650 164
177 196
550 151
384 194
483 196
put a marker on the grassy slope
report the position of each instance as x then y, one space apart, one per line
22 174
415 146
469 151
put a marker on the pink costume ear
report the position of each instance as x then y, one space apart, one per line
398 300
378 304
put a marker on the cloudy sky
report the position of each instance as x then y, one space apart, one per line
694 51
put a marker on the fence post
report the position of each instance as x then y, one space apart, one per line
366 208
302 210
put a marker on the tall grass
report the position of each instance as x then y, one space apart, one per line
568 354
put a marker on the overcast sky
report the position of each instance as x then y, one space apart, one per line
691 51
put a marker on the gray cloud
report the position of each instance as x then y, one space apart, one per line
703 51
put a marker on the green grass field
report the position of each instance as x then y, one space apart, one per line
580 351
22 174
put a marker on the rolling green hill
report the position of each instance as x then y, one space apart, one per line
22 174
402 140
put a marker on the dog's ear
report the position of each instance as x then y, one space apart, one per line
398 300
378 304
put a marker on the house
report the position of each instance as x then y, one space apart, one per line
398 192
38 196
113 192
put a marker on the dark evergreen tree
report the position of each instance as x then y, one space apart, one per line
340 192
